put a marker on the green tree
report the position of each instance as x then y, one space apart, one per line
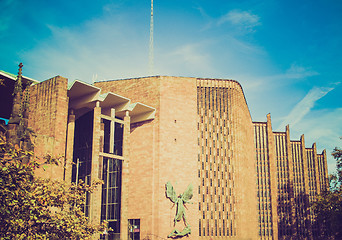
328 206
36 208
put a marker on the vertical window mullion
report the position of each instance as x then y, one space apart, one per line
107 190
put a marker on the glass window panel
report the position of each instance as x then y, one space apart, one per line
106 142
104 196
112 179
118 138
103 211
117 211
110 211
110 197
110 164
112 194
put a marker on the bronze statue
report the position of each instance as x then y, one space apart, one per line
180 211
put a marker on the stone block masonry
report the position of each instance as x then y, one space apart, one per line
48 119
244 175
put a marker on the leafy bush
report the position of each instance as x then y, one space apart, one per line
36 208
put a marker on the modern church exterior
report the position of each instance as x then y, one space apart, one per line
179 157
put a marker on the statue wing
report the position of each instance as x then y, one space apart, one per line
170 192
187 195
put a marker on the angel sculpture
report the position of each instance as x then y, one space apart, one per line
180 212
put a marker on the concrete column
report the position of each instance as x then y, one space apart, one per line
125 178
112 131
69 147
95 199
273 176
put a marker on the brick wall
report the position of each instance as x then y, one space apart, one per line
48 118
178 150
143 153
166 149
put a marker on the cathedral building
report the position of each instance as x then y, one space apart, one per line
179 157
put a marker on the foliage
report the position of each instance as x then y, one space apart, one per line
35 208
328 206
337 154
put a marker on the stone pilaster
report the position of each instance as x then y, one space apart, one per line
125 178
95 199
305 165
291 179
315 160
273 176
69 147
306 186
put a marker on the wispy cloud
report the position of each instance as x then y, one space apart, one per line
106 47
275 78
305 105
189 53
187 59
112 48
242 19
297 71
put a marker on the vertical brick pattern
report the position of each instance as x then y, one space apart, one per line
263 181
243 158
216 191
323 171
301 227
283 186
312 187
291 192
272 155
291 186
48 119
316 169
227 206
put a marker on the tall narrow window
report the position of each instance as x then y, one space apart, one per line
118 138
111 195
82 156
117 135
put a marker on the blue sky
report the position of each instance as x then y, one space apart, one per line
286 54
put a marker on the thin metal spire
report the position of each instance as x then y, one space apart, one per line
151 54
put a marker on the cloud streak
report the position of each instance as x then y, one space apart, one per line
305 105
241 19
296 72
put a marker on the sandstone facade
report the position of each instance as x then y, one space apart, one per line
138 134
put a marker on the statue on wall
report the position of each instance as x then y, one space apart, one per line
180 208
